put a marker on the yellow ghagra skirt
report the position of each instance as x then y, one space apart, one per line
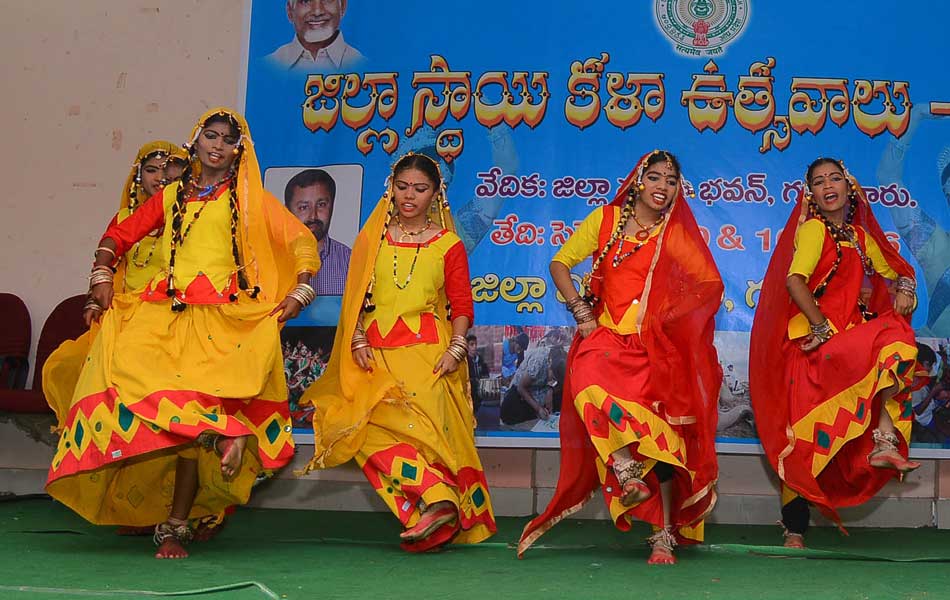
153 380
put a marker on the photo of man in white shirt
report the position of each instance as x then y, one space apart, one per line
318 44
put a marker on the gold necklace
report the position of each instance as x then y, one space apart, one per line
645 231
409 235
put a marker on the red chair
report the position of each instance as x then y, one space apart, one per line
64 323
14 342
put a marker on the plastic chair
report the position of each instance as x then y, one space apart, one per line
15 332
64 323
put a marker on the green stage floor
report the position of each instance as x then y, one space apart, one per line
51 553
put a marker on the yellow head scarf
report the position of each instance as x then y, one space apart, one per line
275 246
345 394
132 194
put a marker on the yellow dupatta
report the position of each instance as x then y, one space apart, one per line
275 245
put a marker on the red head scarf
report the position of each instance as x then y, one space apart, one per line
677 318
769 328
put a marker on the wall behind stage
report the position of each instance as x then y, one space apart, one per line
85 84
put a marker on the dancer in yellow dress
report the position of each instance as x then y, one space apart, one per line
395 394
150 171
192 368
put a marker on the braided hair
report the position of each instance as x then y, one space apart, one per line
626 211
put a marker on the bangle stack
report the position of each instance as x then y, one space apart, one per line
359 340
581 310
458 348
101 274
907 286
303 293
91 304
822 331
95 255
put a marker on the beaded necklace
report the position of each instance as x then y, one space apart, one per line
148 257
203 195
138 245
642 236
408 236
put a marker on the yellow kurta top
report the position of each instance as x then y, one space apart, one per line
415 304
584 243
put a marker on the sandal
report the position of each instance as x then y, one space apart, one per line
663 542
633 488
885 454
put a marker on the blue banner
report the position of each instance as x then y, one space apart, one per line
537 110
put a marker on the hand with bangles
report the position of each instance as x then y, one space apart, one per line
905 298
820 333
289 308
101 277
582 311
91 311
359 346
297 299
446 364
454 354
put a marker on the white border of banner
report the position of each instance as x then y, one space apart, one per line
553 443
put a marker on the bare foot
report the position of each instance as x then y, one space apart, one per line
171 548
890 458
634 491
794 540
435 516
663 542
232 455
661 556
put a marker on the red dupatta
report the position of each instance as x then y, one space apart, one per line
677 318
769 327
